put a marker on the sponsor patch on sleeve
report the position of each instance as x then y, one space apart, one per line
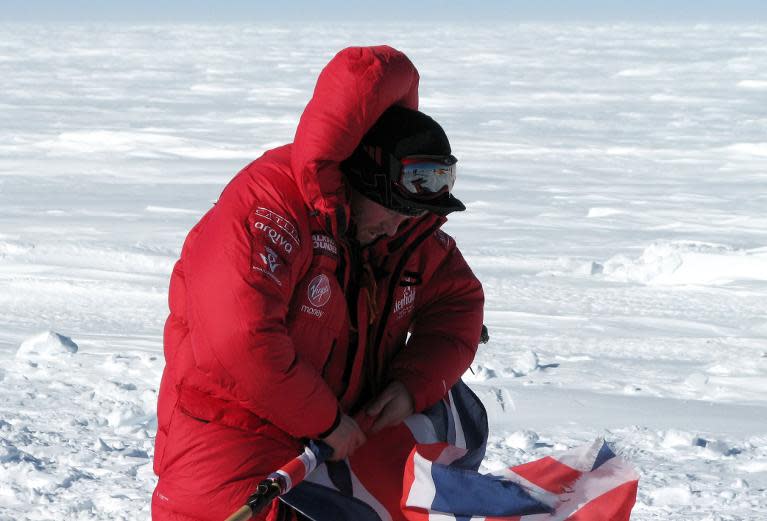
274 239
324 245
268 263
280 231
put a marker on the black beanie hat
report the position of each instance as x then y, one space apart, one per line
400 132
405 132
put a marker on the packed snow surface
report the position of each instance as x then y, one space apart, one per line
616 184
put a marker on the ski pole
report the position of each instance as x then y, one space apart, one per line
281 481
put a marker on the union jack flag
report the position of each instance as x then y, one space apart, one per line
426 470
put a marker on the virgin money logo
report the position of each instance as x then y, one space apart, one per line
319 290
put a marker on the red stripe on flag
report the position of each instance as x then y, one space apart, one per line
431 451
296 470
412 513
407 480
378 464
548 473
614 505
415 514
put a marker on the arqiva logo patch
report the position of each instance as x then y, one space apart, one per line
319 290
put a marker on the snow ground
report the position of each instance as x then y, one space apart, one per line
616 179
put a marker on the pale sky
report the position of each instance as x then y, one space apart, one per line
389 10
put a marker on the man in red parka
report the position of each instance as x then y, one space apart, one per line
317 296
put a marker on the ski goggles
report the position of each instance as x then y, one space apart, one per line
424 177
422 184
412 185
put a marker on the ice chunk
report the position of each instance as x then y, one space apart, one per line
753 84
672 496
524 363
688 262
697 381
46 345
675 438
523 440
479 373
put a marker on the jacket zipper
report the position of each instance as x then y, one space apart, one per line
384 317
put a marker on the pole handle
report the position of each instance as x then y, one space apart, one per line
242 514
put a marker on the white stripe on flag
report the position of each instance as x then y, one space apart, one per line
422 492
536 492
460 439
286 477
439 516
321 477
309 459
612 474
581 458
449 454
421 428
588 488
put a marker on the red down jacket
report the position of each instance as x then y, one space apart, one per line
262 347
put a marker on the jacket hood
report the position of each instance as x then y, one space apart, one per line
352 92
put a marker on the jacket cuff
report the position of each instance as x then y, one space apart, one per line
336 423
423 391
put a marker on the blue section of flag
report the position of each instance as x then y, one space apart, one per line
324 504
473 423
605 454
459 490
341 477
466 492
321 450
439 416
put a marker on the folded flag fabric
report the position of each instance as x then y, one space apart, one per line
426 470
588 483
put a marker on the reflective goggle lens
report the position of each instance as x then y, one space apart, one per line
427 176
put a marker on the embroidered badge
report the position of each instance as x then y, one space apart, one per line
270 259
269 264
405 302
279 230
324 245
319 290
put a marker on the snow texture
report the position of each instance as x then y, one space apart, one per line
46 345
616 182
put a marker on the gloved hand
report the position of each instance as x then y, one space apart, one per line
393 405
345 438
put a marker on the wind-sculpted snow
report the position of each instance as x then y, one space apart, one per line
689 263
48 344
616 185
